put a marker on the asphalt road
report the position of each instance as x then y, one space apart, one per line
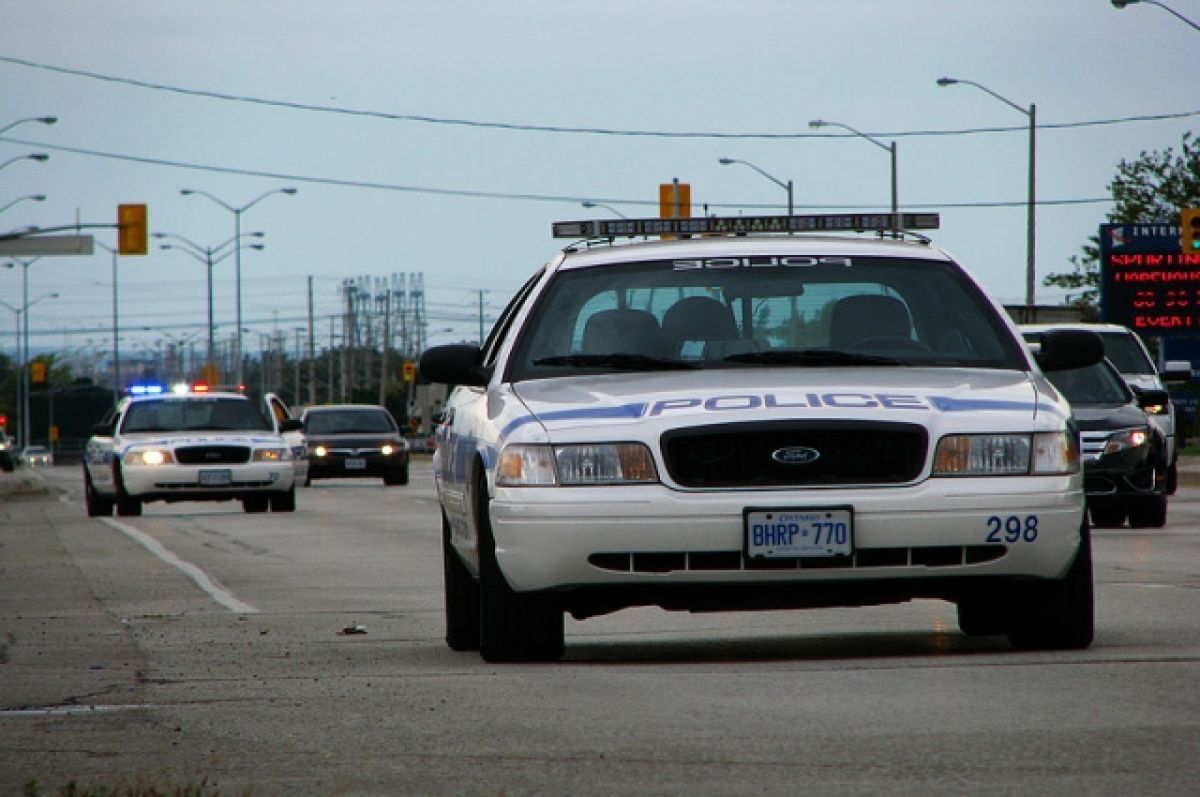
287 654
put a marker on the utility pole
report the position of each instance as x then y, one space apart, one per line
312 361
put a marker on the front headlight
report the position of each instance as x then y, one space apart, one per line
575 465
271 455
149 456
1042 453
1126 439
319 451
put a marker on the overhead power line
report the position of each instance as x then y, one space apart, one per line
535 128
508 196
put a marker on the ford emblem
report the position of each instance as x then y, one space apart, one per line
795 455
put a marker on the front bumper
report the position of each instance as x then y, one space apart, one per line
1126 473
341 467
567 539
193 483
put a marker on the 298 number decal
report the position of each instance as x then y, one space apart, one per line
1013 528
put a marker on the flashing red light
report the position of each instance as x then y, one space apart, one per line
199 387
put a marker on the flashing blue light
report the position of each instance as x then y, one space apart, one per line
145 390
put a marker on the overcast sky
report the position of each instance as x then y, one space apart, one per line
351 103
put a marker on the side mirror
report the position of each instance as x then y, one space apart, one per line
291 425
1153 401
455 364
1065 349
1176 371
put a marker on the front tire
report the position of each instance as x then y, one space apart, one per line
284 502
255 504
1148 513
513 626
397 477
127 505
462 597
1108 514
97 505
1057 615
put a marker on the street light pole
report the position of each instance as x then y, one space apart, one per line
889 148
31 197
237 212
22 317
46 120
1031 199
116 331
785 186
609 208
208 256
1163 6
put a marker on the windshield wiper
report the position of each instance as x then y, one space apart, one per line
623 362
811 357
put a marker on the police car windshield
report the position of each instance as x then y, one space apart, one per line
767 312
187 414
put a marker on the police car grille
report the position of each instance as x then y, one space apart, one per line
212 455
756 455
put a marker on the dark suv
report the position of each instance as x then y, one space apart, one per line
1124 453
354 440
8 454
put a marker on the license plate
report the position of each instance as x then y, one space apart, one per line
356 463
799 533
216 478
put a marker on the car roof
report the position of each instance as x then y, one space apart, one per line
576 256
1103 329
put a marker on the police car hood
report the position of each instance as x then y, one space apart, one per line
198 438
942 399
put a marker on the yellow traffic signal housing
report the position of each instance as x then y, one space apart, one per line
1189 230
37 372
132 231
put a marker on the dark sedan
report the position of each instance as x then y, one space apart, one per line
353 441
1124 452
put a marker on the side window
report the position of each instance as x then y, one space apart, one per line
500 329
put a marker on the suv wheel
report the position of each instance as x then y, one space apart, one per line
513 626
1108 514
1057 615
285 501
1148 513
254 504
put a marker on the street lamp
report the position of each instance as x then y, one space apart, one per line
610 208
23 312
1031 199
237 212
890 148
33 156
785 186
46 120
1163 6
210 256
31 197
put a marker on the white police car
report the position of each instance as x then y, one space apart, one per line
188 446
751 419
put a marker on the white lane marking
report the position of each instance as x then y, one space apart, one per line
70 711
202 579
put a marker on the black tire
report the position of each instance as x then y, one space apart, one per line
462 597
1108 514
7 466
1057 615
396 477
285 501
97 505
255 504
127 505
1173 478
982 615
1148 513
513 626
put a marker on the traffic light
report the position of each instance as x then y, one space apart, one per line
37 372
1189 230
132 230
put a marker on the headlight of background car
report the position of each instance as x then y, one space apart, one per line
149 456
1126 439
575 465
272 455
1043 453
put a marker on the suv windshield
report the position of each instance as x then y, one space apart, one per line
349 422
761 311
195 414
1097 384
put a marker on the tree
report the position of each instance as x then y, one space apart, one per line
1154 188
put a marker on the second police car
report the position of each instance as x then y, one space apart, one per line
189 446
752 418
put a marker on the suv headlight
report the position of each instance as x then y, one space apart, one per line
1042 453
149 456
271 455
523 465
1126 439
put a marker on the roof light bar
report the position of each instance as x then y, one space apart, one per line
742 225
